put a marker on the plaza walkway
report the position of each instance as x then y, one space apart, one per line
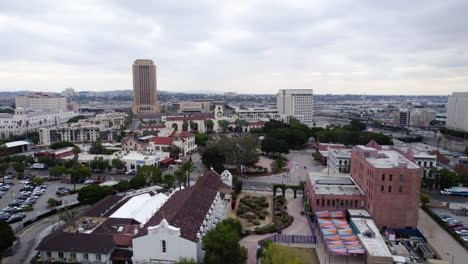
300 226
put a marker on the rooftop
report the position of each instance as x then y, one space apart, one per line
333 184
370 237
17 143
162 140
141 207
385 158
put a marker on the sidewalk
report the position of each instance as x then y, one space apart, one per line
441 240
300 226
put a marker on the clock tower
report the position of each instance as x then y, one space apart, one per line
218 111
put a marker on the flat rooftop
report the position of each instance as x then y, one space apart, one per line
386 158
374 244
332 184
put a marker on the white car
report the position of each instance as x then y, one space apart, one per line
465 238
462 232
24 182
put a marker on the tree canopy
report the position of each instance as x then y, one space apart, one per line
150 174
93 193
7 235
61 144
222 244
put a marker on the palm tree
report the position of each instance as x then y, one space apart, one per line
76 150
208 124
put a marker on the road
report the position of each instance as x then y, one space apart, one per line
447 198
30 237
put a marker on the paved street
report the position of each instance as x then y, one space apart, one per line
299 159
447 198
441 240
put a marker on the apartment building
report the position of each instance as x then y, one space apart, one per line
25 121
457 118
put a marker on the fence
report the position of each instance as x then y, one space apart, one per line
292 239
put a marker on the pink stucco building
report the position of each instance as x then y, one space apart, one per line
382 180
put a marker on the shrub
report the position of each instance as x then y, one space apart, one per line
248 216
271 228
27 208
240 211
262 217
52 202
255 222
263 212
264 205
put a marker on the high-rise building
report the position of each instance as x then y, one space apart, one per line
403 116
144 88
41 101
457 118
296 103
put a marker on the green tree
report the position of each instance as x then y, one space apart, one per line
180 177
38 181
47 160
168 180
447 178
186 261
425 199
240 151
222 245
67 215
61 144
213 156
209 124
97 148
463 178
7 235
79 172
57 171
186 167
274 145
152 175
118 164
19 167
137 182
93 193
185 125
4 167
224 125
76 151
174 151
201 139
99 163
240 124
122 186
52 202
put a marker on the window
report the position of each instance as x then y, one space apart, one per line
328 202
72 255
389 188
48 254
401 177
382 188
333 202
362 204
400 189
163 246
318 202
390 177
85 256
60 255
383 177
98 257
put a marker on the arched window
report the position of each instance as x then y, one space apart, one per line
163 246
425 163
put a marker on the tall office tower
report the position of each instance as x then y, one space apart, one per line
297 103
457 110
144 88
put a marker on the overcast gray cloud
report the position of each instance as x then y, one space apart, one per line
373 47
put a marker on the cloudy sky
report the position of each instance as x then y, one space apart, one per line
372 47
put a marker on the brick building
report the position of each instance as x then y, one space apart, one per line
382 180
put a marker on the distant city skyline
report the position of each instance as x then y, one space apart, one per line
247 47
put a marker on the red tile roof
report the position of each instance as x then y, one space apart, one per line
148 127
162 140
326 146
182 118
187 208
186 134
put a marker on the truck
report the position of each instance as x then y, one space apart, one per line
39 166
462 191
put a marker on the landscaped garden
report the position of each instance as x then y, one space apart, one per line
281 218
254 210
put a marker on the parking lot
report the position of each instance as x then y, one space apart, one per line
40 206
450 215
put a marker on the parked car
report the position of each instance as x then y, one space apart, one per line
465 238
462 232
14 218
61 192
15 202
130 172
8 177
4 216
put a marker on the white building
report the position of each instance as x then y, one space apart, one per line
339 160
457 112
177 229
25 121
256 114
76 134
42 101
297 103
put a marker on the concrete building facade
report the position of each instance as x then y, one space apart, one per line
42 101
144 88
297 103
457 118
